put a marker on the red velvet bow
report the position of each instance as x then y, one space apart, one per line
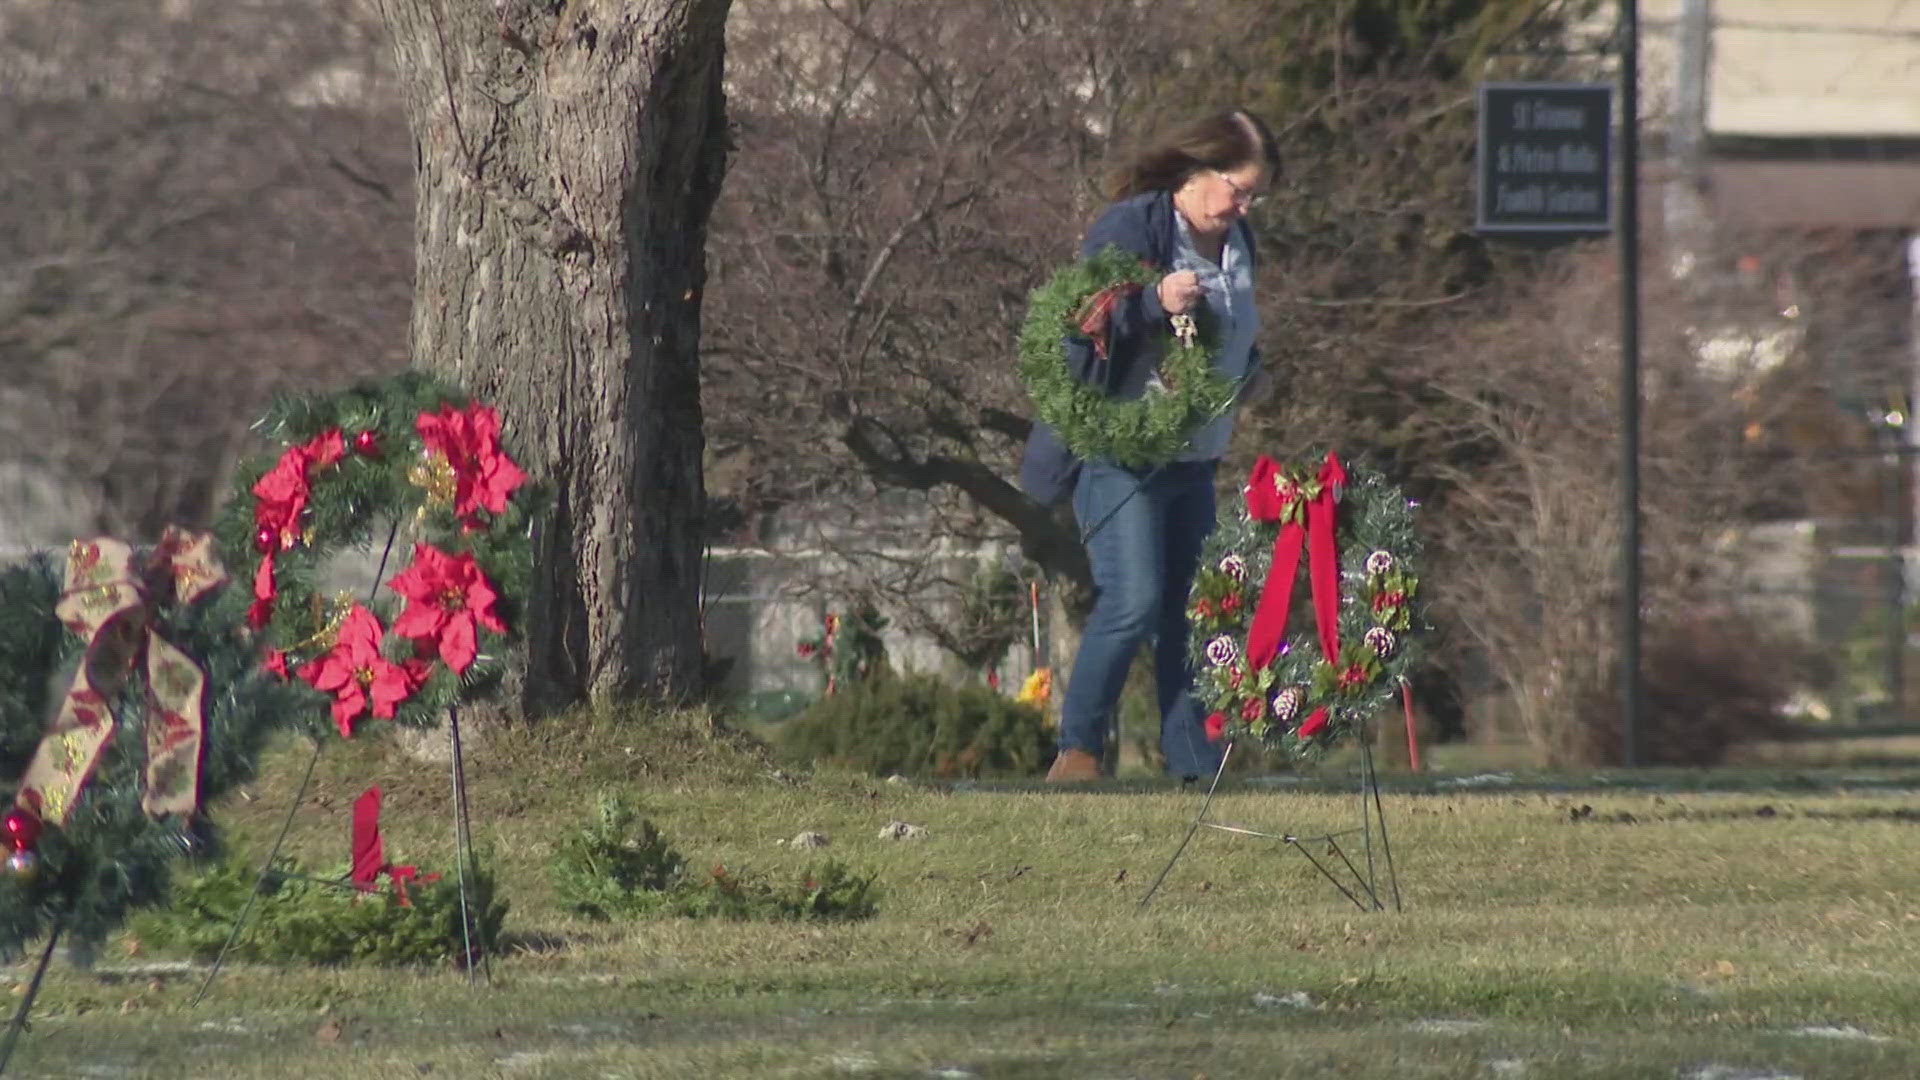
1271 496
1096 315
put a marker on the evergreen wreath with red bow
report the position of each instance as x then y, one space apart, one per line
1305 677
416 473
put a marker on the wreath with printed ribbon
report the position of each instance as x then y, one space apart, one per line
1136 432
130 697
1304 679
415 473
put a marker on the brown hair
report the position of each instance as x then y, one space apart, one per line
1225 140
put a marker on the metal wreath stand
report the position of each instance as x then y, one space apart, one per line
1364 889
1372 814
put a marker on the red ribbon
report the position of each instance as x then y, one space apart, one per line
369 858
1413 741
1097 313
1272 497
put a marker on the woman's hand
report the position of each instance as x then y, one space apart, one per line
1179 292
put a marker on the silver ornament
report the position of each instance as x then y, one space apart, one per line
24 865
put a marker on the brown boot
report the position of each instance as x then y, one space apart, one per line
1073 767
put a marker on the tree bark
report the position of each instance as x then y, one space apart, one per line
568 155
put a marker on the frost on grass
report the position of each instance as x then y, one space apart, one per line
1841 1031
1441 1026
1478 780
1296 1000
146 970
1729 1072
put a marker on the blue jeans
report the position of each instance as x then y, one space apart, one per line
1146 532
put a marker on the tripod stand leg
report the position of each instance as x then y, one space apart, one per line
1360 881
463 853
19 1023
1386 849
1202 816
1328 874
1368 780
266 867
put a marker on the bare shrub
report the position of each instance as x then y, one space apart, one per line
1529 537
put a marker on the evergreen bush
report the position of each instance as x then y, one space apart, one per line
619 865
324 920
917 725
829 891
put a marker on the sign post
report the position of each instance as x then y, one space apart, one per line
1546 172
1629 30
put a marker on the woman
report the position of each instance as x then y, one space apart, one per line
1181 206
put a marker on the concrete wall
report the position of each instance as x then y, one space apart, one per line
1795 67
761 604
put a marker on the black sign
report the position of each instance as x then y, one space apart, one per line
1544 160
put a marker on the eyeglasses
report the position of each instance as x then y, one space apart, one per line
1246 197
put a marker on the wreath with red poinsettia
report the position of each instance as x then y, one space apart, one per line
1305 675
414 473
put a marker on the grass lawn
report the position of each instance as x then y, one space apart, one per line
1760 922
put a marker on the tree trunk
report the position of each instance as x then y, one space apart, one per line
568 155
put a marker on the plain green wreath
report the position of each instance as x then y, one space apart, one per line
1148 430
